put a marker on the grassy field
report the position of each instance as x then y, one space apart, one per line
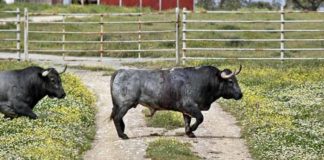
170 36
64 129
281 112
164 148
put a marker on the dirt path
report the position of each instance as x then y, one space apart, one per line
218 136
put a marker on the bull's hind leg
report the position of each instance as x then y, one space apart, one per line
119 123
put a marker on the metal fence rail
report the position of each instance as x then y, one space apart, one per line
281 31
17 31
101 32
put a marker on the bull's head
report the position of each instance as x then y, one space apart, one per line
53 84
229 85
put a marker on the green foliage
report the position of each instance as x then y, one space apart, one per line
312 5
163 149
260 5
164 119
206 4
230 4
64 129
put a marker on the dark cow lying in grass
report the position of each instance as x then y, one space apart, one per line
186 90
20 90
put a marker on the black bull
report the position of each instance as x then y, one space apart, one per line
186 90
20 90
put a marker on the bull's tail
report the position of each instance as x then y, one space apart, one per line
115 107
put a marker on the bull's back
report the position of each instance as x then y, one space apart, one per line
8 80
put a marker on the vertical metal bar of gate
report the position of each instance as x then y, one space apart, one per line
184 26
282 33
26 21
177 35
101 36
18 34
139 36
63 36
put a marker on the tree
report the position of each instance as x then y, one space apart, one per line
207 4
232 4
311 5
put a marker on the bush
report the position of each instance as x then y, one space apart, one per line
64 129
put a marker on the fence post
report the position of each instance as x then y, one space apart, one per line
18 34
101 36
184 27
141 5
139 36
120 3
282 33
63 37
177 36
160 5
26 21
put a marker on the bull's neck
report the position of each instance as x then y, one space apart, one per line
218 92
35 89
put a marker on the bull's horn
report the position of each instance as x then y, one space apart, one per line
45 73
237 72
63 70
227 76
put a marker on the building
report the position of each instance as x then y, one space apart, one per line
155 4
50 2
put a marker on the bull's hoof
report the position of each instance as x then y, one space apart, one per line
191 135
123 136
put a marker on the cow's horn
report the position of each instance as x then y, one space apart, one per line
45 73
63 70
226 76
237 72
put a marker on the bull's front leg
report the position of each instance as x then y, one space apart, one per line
193 111
187 120
23 109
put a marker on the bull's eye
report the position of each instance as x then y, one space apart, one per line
52 80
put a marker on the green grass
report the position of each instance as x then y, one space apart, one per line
281 112
164 119
64 129
163 149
